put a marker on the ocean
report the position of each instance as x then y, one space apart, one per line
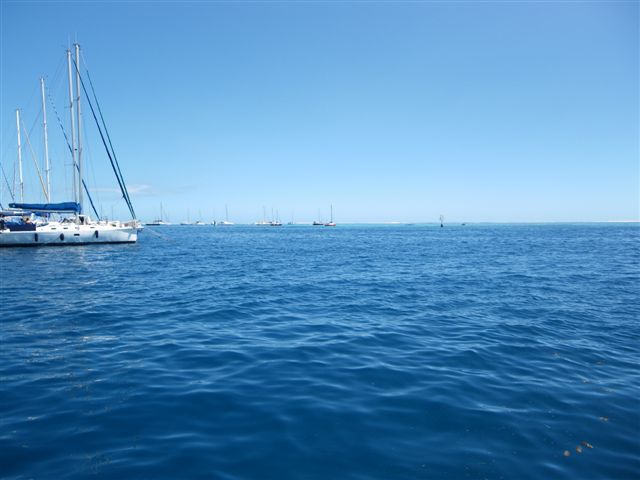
355 352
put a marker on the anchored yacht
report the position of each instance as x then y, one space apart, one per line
67 223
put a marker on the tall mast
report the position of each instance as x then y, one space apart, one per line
226 212
79 125
20 157
73 128
46 140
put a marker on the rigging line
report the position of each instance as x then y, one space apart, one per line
8 184
35 121
104 124
123 187
118 173
164 237
64 133
9 141
66 138
105 129
109 139
55 110
84 183
35 162
34 94
89 163
93 207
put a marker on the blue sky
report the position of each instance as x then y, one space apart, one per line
390 111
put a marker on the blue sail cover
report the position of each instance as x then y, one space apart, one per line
68 207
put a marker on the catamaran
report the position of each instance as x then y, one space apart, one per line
67 223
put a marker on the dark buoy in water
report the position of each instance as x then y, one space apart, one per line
441 221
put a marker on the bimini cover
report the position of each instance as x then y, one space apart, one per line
48 207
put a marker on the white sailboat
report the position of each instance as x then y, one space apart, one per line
67 223
263 222
159 221
276 220
188 221
226 221
199 222
330 223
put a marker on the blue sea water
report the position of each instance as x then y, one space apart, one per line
398 352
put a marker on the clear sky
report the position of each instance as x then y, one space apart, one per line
390 111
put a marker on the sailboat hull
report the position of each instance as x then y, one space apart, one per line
60 235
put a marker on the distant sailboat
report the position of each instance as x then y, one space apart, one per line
276 221
226 219
331 223
263 222
159 221
199 222
319 222
188 222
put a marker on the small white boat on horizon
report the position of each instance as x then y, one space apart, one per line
225 222
263 222
330 223
159 221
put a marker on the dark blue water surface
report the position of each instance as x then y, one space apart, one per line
404 352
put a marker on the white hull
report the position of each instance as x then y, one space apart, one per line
70 234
